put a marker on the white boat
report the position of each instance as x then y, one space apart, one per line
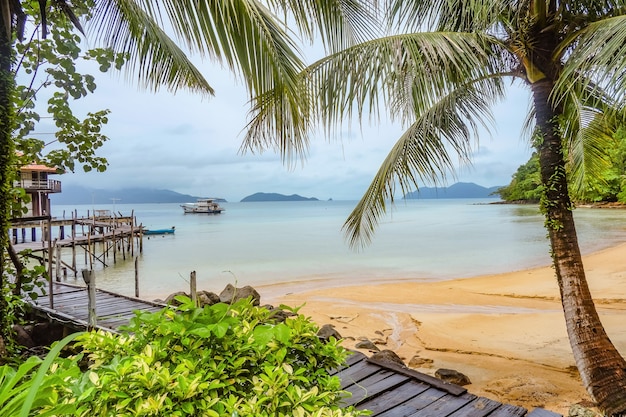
203 205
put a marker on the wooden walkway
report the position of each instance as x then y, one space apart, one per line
390 390
70 306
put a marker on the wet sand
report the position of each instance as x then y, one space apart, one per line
506 332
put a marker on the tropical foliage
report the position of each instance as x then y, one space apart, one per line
438 68
609 185
47 71
220 360
526 183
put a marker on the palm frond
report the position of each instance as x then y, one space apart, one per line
588 124
155 57
340 23
598 59
451 15
244 35
424 152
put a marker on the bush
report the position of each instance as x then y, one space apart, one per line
220 360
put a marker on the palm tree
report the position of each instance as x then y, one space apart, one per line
439 68
244 35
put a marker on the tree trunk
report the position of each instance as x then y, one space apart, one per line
7 82
602 368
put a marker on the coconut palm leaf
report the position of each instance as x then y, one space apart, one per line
599 58
155 58
417 71
425 152
340 23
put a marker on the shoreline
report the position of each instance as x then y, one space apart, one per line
506 331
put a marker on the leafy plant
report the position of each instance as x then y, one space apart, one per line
34 388
217 360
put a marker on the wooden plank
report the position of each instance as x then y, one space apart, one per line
541 412
393 398
352 359
444 406
415 403
430 380
508 410
66 297
480 407
356 373
373 386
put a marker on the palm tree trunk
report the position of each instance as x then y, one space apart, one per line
602 368
7 82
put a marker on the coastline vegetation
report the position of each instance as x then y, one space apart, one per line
608 186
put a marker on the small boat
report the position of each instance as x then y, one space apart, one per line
169 231
203 205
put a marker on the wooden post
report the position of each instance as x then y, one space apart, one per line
140 238
114 247
192 288
137 277
123 249
90 279
132 233
50 285
74 247
57 250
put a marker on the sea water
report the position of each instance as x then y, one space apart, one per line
257 243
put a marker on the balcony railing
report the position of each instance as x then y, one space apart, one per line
51 186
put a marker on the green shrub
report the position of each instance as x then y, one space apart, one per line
220 360
35 387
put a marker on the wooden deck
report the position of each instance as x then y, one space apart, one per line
390 390
70 307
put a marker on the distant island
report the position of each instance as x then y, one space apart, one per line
84 195
458 190
276 197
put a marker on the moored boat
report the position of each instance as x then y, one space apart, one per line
203 205
169 231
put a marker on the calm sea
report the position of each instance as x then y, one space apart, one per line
281 242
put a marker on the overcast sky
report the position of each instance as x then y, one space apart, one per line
188 144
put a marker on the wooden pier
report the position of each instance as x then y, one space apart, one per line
69 305
103 238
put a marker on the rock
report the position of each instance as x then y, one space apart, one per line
388 356
22 336
452 376
207 298
327 331
578 410
43 334
170 298
419 362
367 344
231 294
280 315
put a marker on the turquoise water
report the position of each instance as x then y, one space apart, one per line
275 242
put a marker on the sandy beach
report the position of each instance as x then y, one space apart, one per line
506 332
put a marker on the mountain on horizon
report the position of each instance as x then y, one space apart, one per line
458 190
83 195
276 197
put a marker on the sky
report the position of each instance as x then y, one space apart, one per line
191 145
